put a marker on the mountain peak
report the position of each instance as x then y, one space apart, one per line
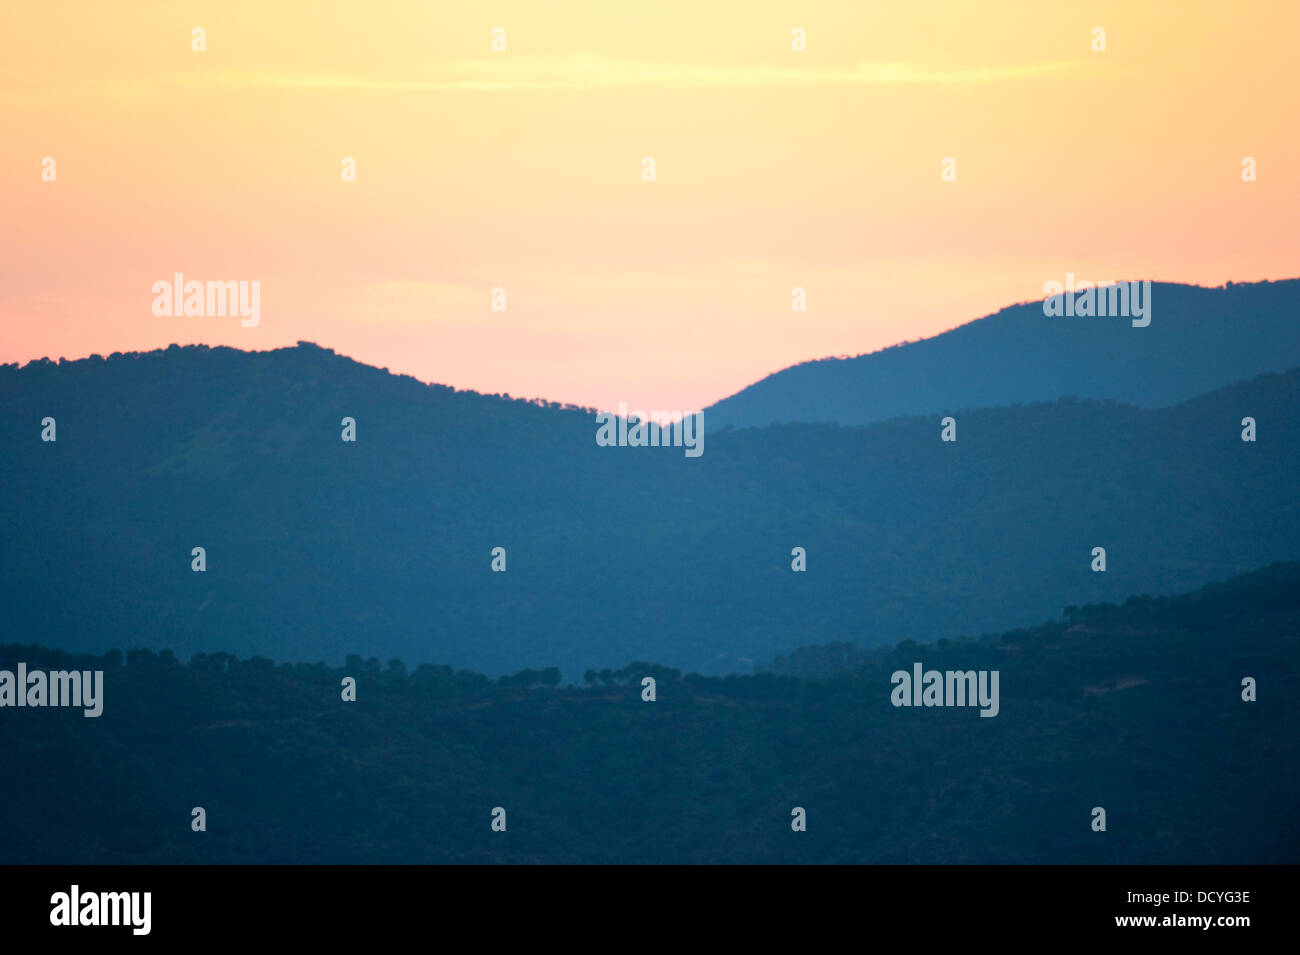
1199 339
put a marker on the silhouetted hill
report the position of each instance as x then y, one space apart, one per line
1136 708
1199 339
318 548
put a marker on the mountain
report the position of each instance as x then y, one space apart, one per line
1136 708
317 548
1199 339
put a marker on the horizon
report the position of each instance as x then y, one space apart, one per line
594 408
816 162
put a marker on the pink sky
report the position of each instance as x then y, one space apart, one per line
522 169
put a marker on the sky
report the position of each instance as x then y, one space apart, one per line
523 169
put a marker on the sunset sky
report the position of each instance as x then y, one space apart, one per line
523 170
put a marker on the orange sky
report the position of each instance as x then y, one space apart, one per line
522 169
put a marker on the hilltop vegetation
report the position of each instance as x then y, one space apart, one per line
1136 708
317 548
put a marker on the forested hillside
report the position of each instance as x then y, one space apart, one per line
317 548
1135 708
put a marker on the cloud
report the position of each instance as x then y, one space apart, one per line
587 72
576 72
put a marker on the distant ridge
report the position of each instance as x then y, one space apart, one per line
317 549
1140 701
1199 339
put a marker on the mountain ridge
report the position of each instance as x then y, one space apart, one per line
317 548
1200 338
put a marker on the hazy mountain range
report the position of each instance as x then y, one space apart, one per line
317 548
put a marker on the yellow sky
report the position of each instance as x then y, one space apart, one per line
522 169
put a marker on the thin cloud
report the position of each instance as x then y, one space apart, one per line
579 72
589 72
